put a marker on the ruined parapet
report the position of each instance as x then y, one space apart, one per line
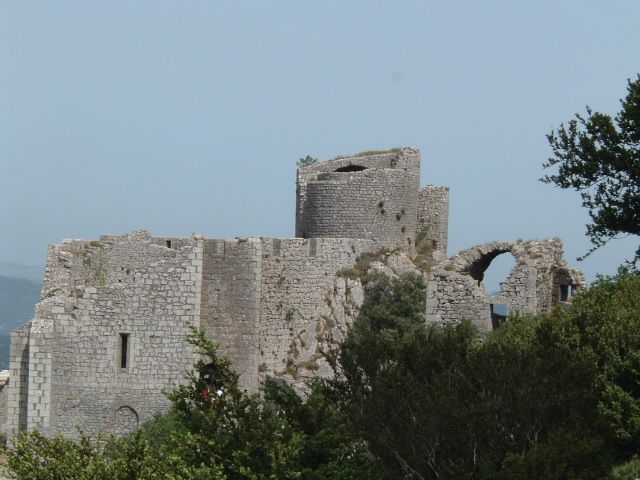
371 196
433 218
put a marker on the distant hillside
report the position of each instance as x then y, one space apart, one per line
18 270
18 297
5 343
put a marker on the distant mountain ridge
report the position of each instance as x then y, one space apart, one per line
18 270
20 287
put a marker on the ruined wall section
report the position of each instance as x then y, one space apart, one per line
532 287
453 297
298 279
230 305
94 293
405 159
433 218
571 280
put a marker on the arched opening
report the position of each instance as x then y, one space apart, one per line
497 272
125 421
351 168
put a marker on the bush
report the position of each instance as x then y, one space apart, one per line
627 471
35 457
436 402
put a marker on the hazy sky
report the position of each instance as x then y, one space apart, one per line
189 116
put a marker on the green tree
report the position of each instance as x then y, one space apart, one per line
228 434
331 449
439 402
306 161
599 156
607 319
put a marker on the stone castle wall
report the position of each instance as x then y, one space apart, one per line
17 390
433 218
230 305
94 293
297 278
275 306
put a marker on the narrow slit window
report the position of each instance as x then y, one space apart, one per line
124 350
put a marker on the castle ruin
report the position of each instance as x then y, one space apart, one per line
109 334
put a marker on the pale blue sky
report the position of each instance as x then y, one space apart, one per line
189 116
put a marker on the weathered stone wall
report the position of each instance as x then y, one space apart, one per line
4 380
378 202
433 218
42 345
95 292
532 287
18 388
298 276
453 297
230 305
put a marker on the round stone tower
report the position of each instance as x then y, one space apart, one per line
373 195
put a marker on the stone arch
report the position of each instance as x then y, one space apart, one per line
517 292
125 421
478 268
476 260
498 272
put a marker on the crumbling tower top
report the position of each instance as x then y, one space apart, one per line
371 195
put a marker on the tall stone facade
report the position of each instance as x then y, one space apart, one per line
110 332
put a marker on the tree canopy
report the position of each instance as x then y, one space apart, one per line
549 397
599 156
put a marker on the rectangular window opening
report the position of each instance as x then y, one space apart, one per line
124 350
168 243
499 312
564 293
